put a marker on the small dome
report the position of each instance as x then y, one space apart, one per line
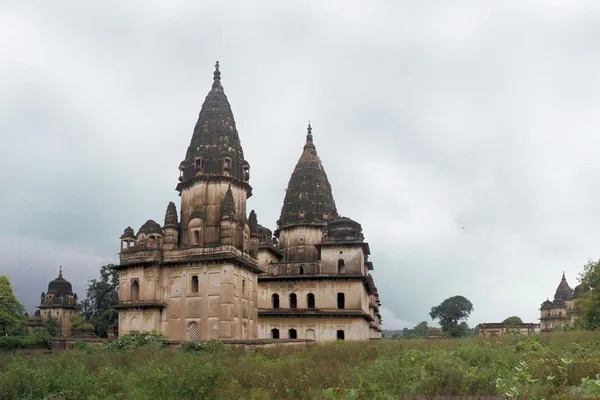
60 287
128 233
344 229
150 227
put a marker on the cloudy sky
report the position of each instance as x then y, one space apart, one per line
461 134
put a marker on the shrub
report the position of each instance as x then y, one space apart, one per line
135 339
39 339
210 346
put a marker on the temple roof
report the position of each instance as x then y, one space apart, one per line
215 138
563 291
60 287
151 227
308 198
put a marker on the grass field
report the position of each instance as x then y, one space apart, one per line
558 366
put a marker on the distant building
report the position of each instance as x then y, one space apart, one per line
497 329
555 314
59 302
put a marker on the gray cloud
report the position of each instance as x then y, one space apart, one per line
429 117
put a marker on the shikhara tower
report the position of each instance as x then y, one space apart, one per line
194 278
206 274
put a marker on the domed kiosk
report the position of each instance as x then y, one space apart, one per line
59 302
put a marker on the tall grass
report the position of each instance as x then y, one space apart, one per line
559 366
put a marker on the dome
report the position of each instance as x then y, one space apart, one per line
128 233
60 287
343 229
151 227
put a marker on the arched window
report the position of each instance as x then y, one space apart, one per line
194 283
275 299
274 333
340 335
341 266
341 300
310 300
560 313
301 270
243 286
292 334
309 334
135 290
193 331
196 237
293 301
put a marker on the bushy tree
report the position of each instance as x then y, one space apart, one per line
588 306
51 325
514 320
12 312
102 296
450 312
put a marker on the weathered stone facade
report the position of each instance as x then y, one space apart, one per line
560 312
213 272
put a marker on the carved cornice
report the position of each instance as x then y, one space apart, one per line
139 304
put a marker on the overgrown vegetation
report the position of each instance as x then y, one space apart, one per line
39 339
558 366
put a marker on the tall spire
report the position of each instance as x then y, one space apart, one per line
215 147
217 76
60 272
308 197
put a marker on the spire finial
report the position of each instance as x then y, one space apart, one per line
217 75
563 274
309 137
60 272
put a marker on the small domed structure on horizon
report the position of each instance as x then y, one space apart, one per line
59 302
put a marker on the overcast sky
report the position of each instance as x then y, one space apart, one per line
462 135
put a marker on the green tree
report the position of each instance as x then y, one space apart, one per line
588 306
12 312
421 329
102 296
450 312
514 320
51 325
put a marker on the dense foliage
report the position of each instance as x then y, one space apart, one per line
514 320
450 312
12 313
39 339
558 366
102 295
588 308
